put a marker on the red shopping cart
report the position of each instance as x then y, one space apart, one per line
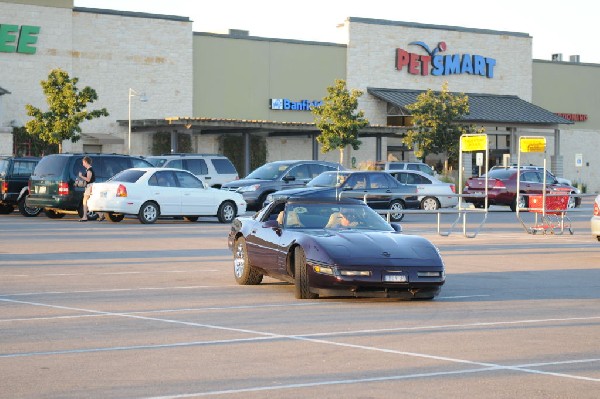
554 217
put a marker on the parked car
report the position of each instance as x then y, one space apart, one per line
419 166
561 180
290 240
595 221
502 188
52 182
153 192
433 193
275 176
14 176
382 191
213 169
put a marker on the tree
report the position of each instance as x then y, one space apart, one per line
67 109
28 144
338 120
436 128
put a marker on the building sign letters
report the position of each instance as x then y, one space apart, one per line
442 65
573 117
287 105
18 39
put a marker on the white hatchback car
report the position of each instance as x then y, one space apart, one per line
595 221
433 193
153 192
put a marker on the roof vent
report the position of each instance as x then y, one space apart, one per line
557 57
239 33
574 58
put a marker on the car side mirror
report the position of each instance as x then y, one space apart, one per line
397 227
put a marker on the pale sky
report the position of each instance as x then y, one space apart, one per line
570 27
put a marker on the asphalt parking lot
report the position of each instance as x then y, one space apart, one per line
125 310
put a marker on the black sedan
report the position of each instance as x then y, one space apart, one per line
329 247
379 189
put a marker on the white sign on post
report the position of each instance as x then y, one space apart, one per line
579 160
479 159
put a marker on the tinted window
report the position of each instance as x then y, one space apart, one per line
23 168
196 166
378 181
501 174
3 167
158 162
187 180
52 165
128 176
140 163
107 167
269 171
300 172
163 179
530 177
224 166
175 163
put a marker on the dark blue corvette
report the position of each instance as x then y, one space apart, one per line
331 247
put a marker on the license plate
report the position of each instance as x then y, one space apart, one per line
41 190
103 194
395 278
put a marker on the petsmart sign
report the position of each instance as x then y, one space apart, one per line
443 65
285 104
18 39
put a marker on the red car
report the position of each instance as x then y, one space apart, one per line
502 188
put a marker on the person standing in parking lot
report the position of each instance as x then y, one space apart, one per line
89 177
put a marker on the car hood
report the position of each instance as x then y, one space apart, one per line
360 247
305 191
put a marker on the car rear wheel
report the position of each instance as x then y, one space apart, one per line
430 204
395 211
226 212
6 209
149 212
115 217
53 214
243 272
572 202
28 211
191 218
302 286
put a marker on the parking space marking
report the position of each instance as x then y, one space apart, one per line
115 290
309 338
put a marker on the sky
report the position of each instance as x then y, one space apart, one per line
557 26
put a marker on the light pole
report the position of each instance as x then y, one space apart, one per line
143 98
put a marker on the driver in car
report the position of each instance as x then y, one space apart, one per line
344 219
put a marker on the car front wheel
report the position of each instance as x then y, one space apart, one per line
302 286
226 212
395 211
149 212
243 272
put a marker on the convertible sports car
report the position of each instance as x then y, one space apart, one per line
329 247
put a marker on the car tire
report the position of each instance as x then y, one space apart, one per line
243 272
90 215
301 280
227 212
191 218
6 209
395 208
53 214
523 202
572 204
115 217
149 212
430 204
28 211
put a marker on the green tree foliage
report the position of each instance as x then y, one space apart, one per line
27 144
338 119
67 109
436 130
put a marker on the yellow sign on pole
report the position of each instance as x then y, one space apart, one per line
476 142
533 144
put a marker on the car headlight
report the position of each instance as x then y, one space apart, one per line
246 189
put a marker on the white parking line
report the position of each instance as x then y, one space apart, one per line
307 338
115 290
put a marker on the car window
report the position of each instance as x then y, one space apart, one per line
550 179
187 180
300 172
224 166
158 162
3 167
23 168
530 176
51 166
107 167
352 181
174 163
140 163
425 169
128 176
378 181
196 166
418 179
163 179
269 171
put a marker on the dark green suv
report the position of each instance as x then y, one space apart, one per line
52 186
14 175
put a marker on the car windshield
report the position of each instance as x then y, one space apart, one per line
128 176
328 179
158 162
333 216
501 174
270 171
3 167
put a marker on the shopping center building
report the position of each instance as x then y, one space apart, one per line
242 95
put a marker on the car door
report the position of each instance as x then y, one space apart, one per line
164 190
531 182
297 176
195 198
263 242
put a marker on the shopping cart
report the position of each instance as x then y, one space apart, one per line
553 218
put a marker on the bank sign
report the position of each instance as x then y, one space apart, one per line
285 104
438 64
18 39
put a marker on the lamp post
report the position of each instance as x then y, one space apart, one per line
143 98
